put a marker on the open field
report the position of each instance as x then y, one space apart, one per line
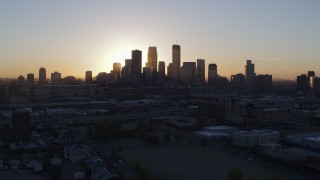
194 163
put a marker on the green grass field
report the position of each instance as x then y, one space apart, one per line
194 163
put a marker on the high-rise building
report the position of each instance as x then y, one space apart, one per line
188 73
315 85
147 75
42 75
20 80
162 69
161 72
176 60
237 81
169 70
55 77
212 74
136 66
88 77
263 82
126 70
152 59
310 74
250 75
201 68
116 70
4 92
30 79
20 125
302 82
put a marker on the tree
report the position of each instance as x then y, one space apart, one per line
235 174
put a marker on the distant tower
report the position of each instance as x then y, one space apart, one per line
152 59
88 77
162 69
42 75
20 125
250 75
212 73
201 68
188 73
162 72
21 79
55 78
176 61
116 70
136 66
310 74
303 82
30 79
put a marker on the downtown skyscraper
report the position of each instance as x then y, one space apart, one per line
176 61
152 59
250 75
136 66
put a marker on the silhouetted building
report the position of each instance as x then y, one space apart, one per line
263 83
4 92
70 80
250 75
30 79
88 77
176 60
169 70
20 125
188 73
147 75
126 71
237 81
55 78
42 76
161 72
302 82
152 59
201 68
20 80
212 74
116 70
136 66
310 74
102 78
315 85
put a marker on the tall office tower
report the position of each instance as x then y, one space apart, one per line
152 59
20 120
263 82
126 69
250 75
136 66
42 75
88 77
212 74
169 70
302 82
310 74
188 73
4 92
116 70
55 78
147 75
162 69
201 68
237 81
176 59
315 85
30 79
161 72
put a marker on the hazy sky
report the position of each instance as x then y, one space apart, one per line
282 37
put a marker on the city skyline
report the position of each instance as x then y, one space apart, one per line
280 37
